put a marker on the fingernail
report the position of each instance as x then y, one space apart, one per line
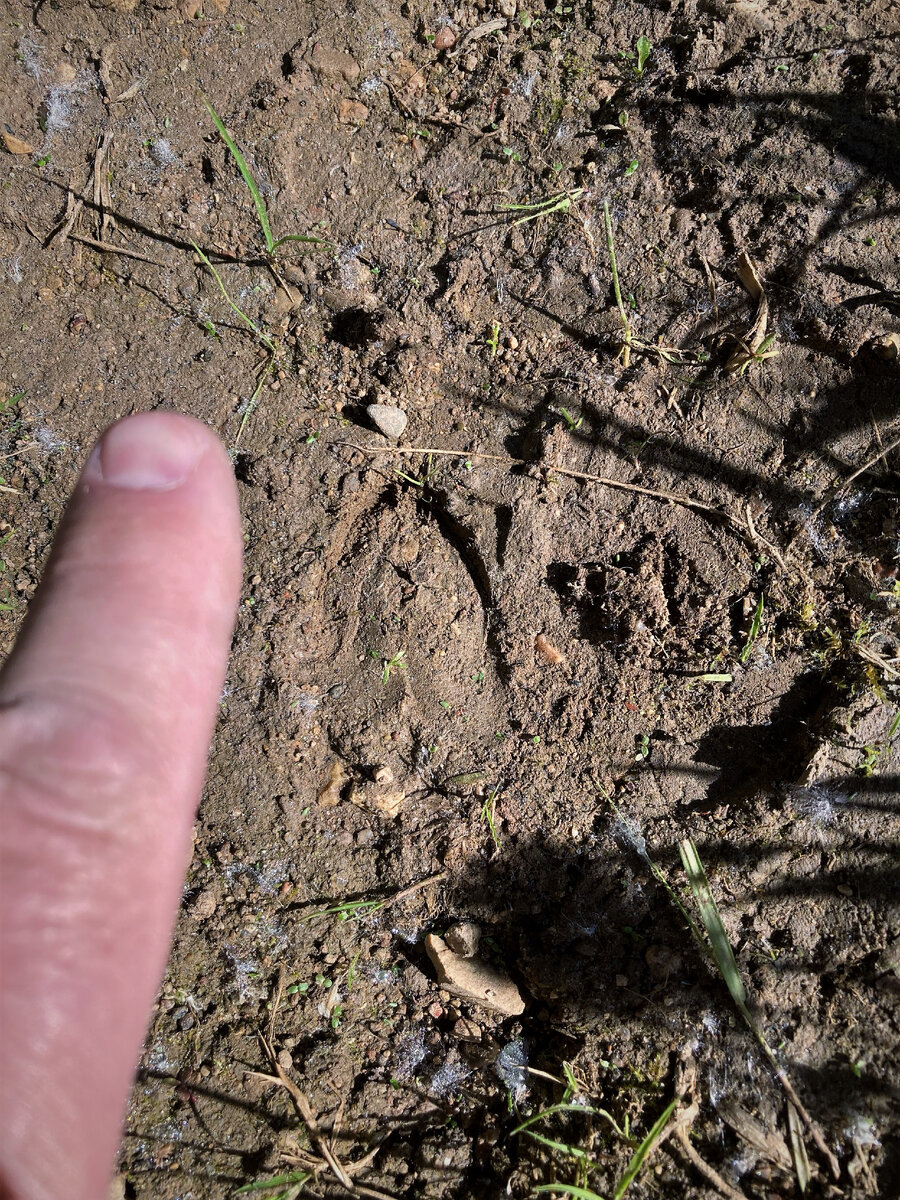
147 452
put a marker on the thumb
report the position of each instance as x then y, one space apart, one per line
107 707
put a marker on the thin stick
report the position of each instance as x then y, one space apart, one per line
673 497
109 248
304 1110
709 1174
773 550
865 467
711 284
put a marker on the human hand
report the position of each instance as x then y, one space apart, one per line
107 706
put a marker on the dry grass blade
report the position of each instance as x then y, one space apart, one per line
754 346
798 1150
111 248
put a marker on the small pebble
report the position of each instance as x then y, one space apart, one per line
444 39
186 1023
463 938
388 420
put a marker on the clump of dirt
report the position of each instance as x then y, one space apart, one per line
398 748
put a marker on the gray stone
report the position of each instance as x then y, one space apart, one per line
463 938
387 420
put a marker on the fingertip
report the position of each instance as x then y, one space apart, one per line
151 451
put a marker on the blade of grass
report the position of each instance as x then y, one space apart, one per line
798 1150
251 325
572 1151
568 1108
247 174
251 403
690 854
617 291
261 1185
712 922
639 1156
754 629
569 1189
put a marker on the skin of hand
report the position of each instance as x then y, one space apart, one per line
107 707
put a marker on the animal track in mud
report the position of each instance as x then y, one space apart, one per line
638 596
397 562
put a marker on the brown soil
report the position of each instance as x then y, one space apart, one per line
756 126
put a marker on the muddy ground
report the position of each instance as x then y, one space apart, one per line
510 686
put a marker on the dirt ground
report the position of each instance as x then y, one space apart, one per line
468 686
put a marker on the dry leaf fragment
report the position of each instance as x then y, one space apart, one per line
749 345
15 145
547 651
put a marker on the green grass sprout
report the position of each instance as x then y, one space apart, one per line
646 1146
295 1181
754 629
262 213
712 921
717 945
569 1189
259 333
560 202
394 663
669 354
488 812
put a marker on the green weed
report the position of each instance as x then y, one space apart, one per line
394 663
257 332
294 1180
640 1155
570 421
488 813
669 354
262 214
753 633
560 202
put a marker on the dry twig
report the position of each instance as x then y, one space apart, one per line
745 528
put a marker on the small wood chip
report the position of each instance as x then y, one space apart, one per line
472 979
16 145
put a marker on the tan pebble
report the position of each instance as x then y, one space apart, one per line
471 979
285 1060
463 937
330 794
390 803
204 906
384 775
548 651
352 112
444 39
